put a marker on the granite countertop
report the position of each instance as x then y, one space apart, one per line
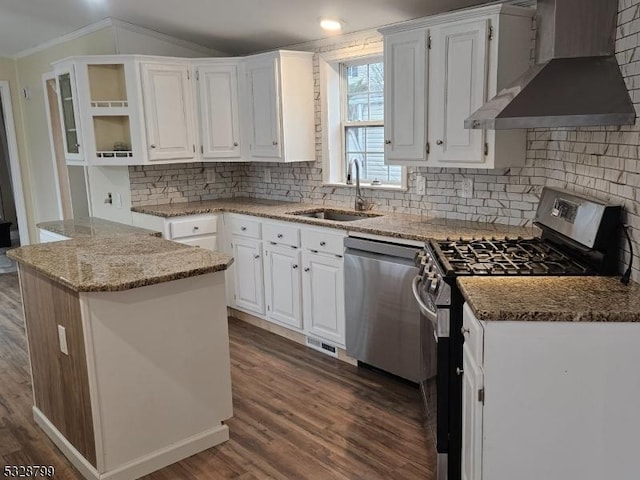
559 299
410 227
92 227
110 263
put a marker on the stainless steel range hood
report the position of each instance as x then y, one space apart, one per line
576 80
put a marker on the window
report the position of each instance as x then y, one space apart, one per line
352 118
362 119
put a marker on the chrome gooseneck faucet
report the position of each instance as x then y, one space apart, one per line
360 203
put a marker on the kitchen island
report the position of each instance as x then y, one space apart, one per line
129 350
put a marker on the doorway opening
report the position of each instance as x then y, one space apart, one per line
11 200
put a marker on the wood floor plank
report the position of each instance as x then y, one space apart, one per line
298 414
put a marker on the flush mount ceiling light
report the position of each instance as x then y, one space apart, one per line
330 24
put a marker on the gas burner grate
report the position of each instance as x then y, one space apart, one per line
507 257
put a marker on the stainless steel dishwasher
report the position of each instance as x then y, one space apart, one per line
383 321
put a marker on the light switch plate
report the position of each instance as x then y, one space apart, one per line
62 338
467 188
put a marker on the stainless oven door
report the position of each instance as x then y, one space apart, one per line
435 389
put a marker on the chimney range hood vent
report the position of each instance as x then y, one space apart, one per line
576 80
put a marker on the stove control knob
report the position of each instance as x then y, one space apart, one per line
433 286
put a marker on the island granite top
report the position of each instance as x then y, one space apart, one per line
109 263
92 227
552 299
409 227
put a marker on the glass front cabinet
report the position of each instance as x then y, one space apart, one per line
69 117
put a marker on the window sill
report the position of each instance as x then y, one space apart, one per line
368 186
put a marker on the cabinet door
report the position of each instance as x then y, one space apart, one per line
323 297
457 89
405 61
219 114
472 405
264 114
69 117
282 285
168 110
248 283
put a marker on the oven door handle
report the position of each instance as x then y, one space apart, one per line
426 311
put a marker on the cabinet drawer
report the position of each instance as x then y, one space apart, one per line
209 242
245 227
473 334
281 234
323 241
190 227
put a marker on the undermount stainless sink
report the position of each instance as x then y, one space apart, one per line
335 215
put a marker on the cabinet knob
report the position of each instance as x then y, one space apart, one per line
235 144
275 143
295 266
77 145
244 229
464 331
153 145
196 228
256 256
322 244
280 235
439 142
459 371
387 142
306 269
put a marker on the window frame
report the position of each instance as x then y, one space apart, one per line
333 106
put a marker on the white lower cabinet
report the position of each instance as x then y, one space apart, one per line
552 400
323 293
248 274
282 285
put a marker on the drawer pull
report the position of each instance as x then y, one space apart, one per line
244 229
196 228
280 235
459 371
322 244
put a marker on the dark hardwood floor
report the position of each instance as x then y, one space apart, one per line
298 414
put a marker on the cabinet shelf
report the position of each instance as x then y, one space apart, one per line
109 103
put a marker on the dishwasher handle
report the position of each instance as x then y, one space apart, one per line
431 315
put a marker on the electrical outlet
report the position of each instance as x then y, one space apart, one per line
211 175
421 185
62 339
267 175
467 188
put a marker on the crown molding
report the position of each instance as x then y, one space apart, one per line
94 27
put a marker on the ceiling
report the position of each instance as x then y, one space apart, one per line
232 26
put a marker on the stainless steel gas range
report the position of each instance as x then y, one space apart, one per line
580 236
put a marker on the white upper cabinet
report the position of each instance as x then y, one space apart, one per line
471 55
263 98
69 116
279 107
219 113
458 88
168 108
405 58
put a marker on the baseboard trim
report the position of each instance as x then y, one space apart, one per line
141 466
282 331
